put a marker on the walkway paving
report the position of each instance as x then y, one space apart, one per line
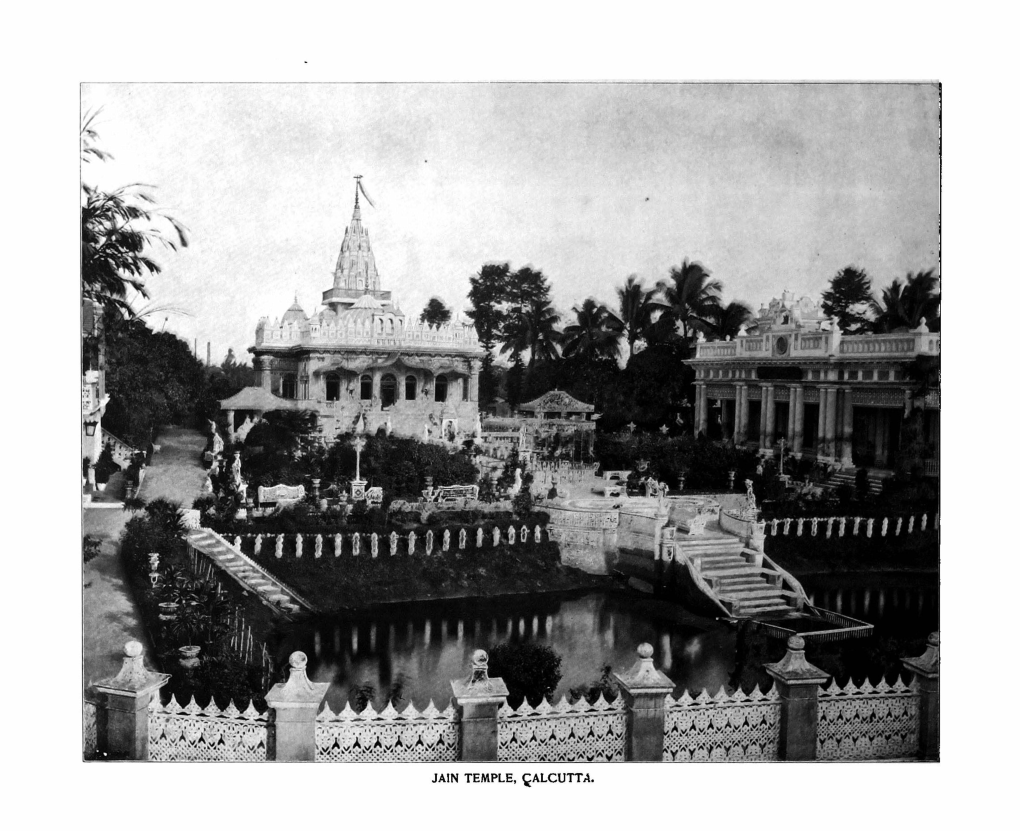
110 616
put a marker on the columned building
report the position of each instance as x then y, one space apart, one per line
793 375
361 357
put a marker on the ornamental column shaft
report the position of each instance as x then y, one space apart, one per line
847 431
823 403
645 690
123 721
699 397
294 704
768 412
797 408
479 698
830 422
745 414
797 683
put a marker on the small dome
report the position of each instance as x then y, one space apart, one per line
367 301
294 313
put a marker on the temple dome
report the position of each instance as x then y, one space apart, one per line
294 313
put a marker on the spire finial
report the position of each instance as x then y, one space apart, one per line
357 188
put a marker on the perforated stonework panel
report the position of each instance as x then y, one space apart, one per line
564 732
868 722
388 736
194 734
725 728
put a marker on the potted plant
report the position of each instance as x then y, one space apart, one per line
191 620
105 467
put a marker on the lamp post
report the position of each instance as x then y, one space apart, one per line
782 449
90 427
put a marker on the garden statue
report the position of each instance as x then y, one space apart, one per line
241 433
518 482
217 447
389 424
236 482
750 509
425 433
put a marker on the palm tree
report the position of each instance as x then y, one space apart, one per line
691 295
118 230
636 308
902 305
533 330
596 334
725 321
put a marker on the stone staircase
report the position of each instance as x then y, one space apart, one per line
849 477
744 588
260 582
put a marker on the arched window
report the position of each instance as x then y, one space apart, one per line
366 387
440 388
389 390
410 388
288 386
332 387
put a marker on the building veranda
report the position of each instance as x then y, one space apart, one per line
793 376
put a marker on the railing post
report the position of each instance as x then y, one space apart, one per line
644 692
122 728
479 698
797 682
926 668
295 704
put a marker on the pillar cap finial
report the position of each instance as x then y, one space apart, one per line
794 669
297 691
926 665
478 685
134 678
643 676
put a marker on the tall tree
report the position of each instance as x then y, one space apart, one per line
488 298
692 296
119 229
902 305
534 331
435 313
595 333
636 308
848 299
725 321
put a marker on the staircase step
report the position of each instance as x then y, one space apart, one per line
734 570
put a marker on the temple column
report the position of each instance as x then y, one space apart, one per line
790 417
797 413
745 414
230 425
739 417
768 415
847 431
473 385
830 422
699 408
264 377
823 401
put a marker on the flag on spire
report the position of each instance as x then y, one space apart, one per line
360 187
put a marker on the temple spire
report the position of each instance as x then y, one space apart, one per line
357 188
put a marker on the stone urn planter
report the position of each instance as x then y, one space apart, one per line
168 611
189 656
100 486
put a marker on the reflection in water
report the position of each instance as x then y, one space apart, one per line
414 650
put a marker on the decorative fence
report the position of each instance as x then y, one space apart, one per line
855 525
868 722
373 545
88 720
564 732
735 727
796 720
196 734
430 735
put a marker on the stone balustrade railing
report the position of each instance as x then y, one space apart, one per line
363 544
807 344
798 719
850 525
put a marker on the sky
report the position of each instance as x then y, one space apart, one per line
771 187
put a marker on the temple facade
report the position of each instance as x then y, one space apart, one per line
360 357
793 376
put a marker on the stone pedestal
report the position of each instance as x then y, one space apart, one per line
479 699
123 721
926 668
644 691
294 704
797 682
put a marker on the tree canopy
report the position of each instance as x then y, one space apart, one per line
848 299
435 313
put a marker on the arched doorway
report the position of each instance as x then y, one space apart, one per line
441 384
388 390
332 387
366 387
410 388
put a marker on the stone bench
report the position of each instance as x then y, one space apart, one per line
281 496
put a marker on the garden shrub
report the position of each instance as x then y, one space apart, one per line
530 671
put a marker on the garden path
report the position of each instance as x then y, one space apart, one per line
110 616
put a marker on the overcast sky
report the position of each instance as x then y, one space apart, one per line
770 186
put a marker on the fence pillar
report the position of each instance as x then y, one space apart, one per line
644 692
122 728
797 682
926 668
295 704
479 698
